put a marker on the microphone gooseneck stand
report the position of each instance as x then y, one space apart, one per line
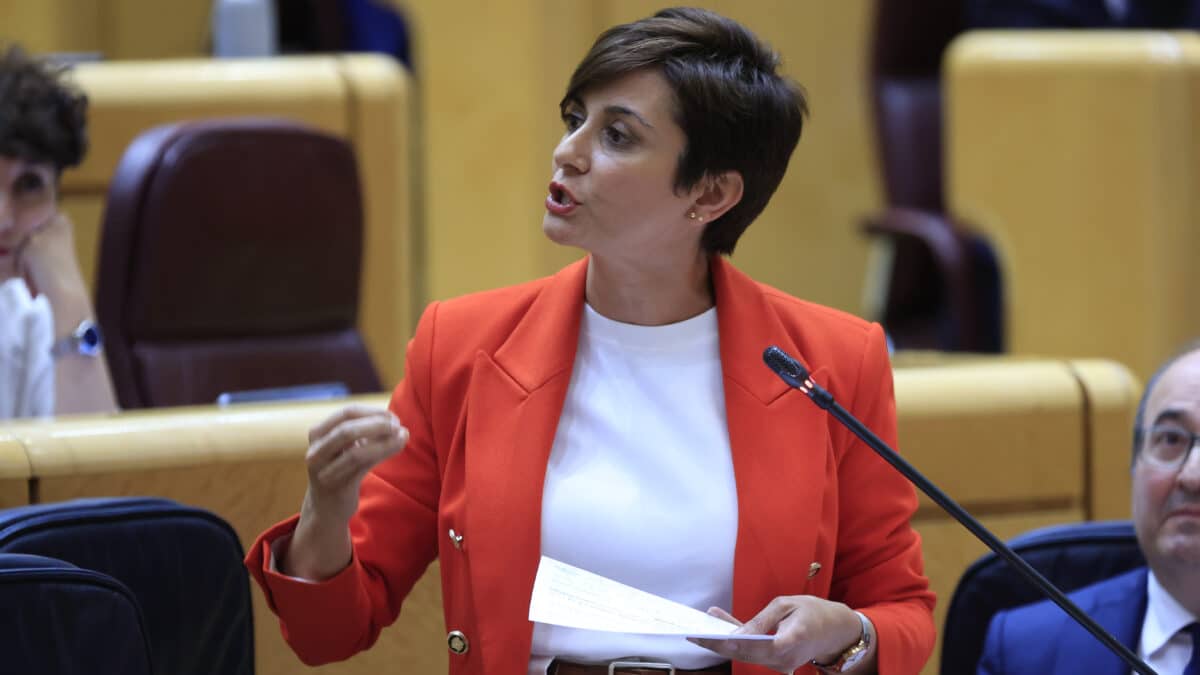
796 375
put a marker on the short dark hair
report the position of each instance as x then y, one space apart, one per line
737 112
1139 419
43 118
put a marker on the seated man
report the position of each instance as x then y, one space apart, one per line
1153 611
50 359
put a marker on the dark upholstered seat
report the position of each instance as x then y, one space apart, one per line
182 564
62 620
943 287
1069 556
230 260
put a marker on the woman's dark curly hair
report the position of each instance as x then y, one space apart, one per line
43 118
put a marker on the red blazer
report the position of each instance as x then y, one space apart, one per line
485 382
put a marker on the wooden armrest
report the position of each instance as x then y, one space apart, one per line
949 246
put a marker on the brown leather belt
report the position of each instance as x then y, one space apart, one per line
566 668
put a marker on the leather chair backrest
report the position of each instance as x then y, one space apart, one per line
1069 556
906 55
62 620
184 566
230 260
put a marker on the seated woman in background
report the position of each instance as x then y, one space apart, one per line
618 417
50 358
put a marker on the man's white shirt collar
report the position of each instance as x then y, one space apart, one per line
1164 619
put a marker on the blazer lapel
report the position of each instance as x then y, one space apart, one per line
513 405
780 447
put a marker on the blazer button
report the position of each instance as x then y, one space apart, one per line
456 539
457 642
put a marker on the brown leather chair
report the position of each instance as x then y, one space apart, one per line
943 289
229 261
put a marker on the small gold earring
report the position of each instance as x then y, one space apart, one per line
692 215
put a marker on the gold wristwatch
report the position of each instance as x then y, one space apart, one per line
852 656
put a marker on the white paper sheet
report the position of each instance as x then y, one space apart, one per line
564 595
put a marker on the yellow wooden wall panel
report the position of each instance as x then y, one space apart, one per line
1112 394
490 77
53 25
153 29
129 97
14 472
981 431
1076 153
86 210
380 110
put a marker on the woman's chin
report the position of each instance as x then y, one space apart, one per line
558 230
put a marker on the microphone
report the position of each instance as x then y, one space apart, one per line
796 375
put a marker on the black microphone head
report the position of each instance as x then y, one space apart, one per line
786 367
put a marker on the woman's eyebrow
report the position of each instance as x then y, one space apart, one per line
622 110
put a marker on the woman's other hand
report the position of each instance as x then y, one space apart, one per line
806 628
342 449
47 260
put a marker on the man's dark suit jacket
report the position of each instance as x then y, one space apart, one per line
1041 638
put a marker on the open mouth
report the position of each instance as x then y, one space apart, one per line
560 201
561 196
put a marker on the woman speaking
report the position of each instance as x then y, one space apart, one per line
617 415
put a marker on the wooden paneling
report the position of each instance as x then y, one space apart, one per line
115 29
1076 153
380 121
14 472
129 97
1112 396
982 431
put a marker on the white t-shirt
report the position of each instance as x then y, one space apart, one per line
26 367
640 485
1162 646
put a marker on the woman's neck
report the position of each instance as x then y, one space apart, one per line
649 295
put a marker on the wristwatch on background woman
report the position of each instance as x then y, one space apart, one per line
852 656
85 340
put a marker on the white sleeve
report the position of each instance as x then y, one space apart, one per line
26 367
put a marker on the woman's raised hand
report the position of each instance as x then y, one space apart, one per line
341 450
47 258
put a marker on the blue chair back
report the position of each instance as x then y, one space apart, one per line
62 620
183 564
1069 556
